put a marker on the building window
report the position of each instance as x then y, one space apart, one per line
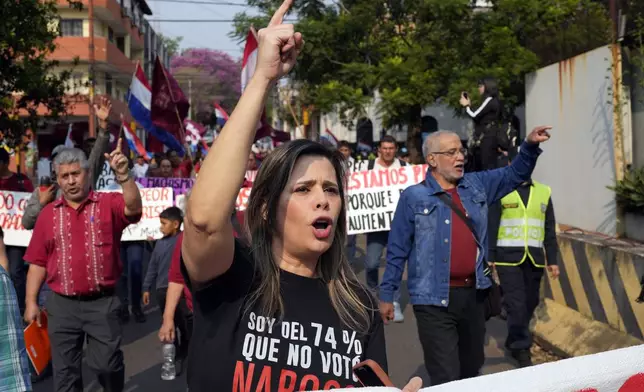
71 27
109 84
76 83
110 34
120 43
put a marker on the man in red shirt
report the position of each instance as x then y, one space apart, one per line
76 246
10 181
182 167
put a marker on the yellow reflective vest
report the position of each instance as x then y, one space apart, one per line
523 226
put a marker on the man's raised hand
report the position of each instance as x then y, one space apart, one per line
102 110
118 162
279 46
539 134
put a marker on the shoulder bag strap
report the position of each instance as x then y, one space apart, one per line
448 200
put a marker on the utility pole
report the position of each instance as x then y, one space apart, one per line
92 76
190 98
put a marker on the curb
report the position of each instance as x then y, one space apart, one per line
568 333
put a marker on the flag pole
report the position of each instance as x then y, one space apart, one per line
252 30
176 111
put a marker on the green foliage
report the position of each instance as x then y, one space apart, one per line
172 44
629 192
635 12
28 80
414 53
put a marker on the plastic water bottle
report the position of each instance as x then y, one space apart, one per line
168 371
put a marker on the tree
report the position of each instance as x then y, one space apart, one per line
415 53
28 81
172 44
214 75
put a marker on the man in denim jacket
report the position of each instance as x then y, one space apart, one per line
446 277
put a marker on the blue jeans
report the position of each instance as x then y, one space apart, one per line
376 243
129 285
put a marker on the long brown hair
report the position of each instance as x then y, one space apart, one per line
347 295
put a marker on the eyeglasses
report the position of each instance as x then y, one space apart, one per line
452 153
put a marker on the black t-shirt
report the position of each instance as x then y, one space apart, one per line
310 349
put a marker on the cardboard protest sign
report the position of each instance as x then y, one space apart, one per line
155 200
372 196
12 207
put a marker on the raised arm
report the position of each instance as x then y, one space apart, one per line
102 144
131 194
32 210
208 244
489 105
500 182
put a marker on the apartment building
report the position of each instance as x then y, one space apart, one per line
122 38
154 47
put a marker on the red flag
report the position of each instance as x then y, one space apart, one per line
169 104
154 145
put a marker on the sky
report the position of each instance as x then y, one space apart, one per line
202 34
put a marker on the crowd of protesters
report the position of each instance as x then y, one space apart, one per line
214 277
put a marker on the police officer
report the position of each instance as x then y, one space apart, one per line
521 226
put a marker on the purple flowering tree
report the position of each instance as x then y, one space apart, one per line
215 75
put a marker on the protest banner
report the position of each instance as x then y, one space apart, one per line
612 371
12 207
106 178
155 200
372 196
180 186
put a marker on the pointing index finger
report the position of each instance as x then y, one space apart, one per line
278 17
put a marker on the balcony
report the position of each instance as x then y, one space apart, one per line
106 54
110 11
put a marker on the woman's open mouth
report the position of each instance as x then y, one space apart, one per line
322 228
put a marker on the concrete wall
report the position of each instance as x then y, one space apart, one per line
592 306
578 162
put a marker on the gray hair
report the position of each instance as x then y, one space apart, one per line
432 143
68 156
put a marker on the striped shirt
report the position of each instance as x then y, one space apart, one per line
14 366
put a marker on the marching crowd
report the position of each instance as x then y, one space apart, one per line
272 291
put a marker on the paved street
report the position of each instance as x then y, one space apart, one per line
143 355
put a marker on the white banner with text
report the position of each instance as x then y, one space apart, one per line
155 200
